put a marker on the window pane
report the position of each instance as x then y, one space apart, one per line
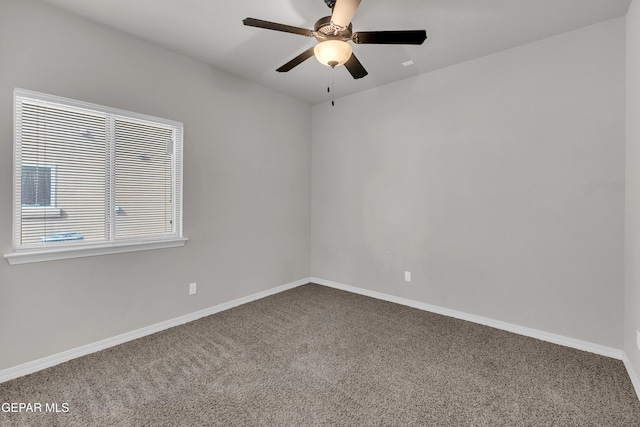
75 144
36 185
143 184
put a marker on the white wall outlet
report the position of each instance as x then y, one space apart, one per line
193 288
407 276
638 339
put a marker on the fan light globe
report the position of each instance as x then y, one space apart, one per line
333 52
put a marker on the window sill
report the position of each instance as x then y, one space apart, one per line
53 254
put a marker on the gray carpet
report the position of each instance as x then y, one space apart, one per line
318 356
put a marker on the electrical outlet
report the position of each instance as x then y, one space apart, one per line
192 288
407 276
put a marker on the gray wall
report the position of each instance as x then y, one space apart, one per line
632 219
246 185
498 182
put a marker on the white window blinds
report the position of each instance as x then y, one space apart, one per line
143 179
87 174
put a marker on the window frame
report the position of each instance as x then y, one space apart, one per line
74 249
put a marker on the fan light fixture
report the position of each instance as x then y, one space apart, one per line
333 52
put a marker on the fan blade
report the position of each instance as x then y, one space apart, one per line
296 61
259 23
343 12
390 37
355 67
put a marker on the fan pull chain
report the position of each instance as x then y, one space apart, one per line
330 88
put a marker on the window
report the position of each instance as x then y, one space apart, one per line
91 180
38 185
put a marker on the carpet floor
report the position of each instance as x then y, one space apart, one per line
319 356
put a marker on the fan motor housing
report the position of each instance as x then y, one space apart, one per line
324 30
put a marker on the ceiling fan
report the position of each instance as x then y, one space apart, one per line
333 32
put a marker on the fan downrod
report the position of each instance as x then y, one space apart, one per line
330 3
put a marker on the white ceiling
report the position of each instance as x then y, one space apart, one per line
458 30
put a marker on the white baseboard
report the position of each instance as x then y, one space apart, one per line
635 380
49 361
510 327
